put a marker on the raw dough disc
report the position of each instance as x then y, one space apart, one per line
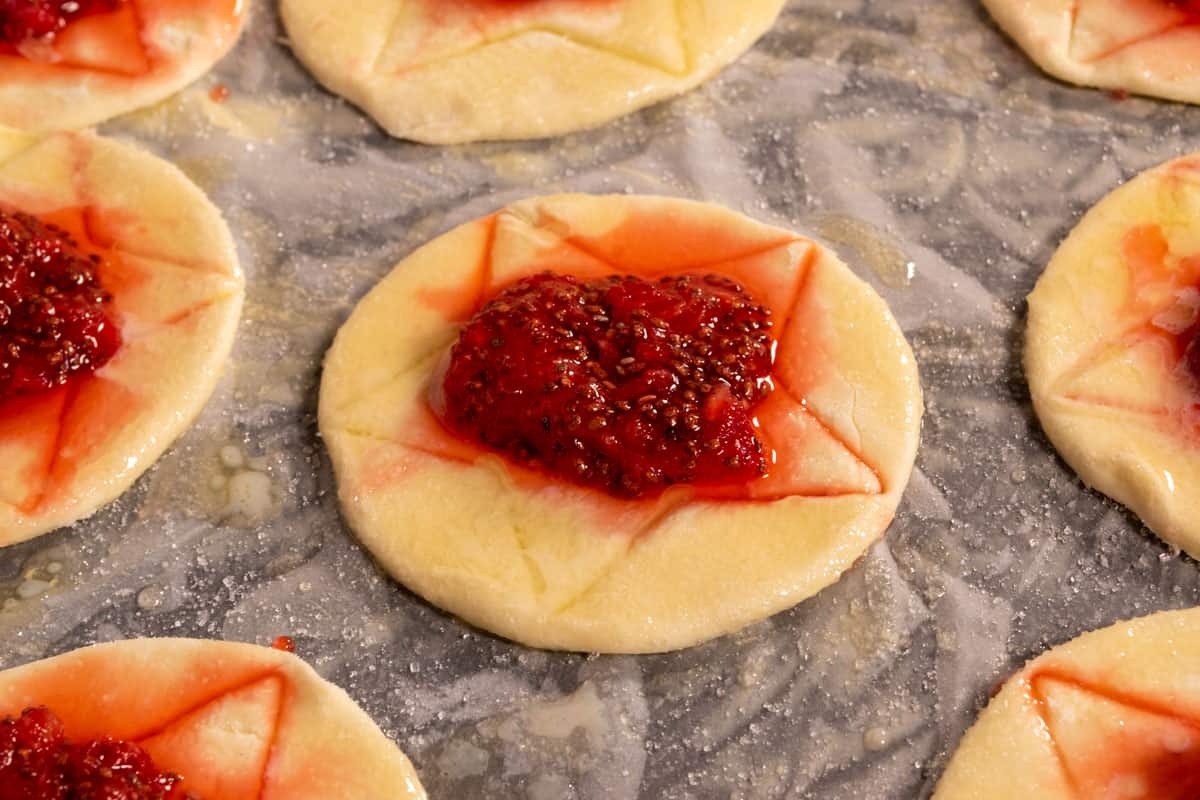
172 269
238 722
559 566
442 72
1105 381
111 65
1108 715
1149 47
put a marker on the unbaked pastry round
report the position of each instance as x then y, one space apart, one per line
1103 716
560 566
238 722
111 64
1149 47
171 266
1105 382
472 70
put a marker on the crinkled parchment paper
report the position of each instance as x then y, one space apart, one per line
914 138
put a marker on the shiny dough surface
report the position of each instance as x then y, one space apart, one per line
1099 717
1149 47
474 70
172 268
237 721
1105 388
558 566
103 68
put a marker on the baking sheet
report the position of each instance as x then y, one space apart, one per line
912 137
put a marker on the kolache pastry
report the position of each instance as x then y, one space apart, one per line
1111 350
447 72
120 293
1112 715
181 719
619 423
1147 47
72 63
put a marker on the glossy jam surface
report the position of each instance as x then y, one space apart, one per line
24 21
55 318
38 763
620 383
1191 7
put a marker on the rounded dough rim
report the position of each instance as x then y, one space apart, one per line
429 104
69 103
149 186
1124 456
1043 30
1152 656
313 705
399 529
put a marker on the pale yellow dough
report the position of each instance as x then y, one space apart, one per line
235 720
177 319
1061 727
1138 46
445 73
1113 405
563 567
181 39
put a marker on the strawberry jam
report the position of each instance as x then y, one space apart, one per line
38 763
24 21
623 384
54 320
1191 7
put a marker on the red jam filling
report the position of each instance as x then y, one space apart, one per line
54 315
1190 7
38 763
23 21
1191 353
620 383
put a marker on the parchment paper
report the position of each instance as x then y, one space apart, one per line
914 138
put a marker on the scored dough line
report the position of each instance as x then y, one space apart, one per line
33 503
421 363
1088 359
208 699
1039 708
1106 693
285 689
574 242
652 524
167 262
537 579
609 569
549 30
386 44
681 35
13 145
